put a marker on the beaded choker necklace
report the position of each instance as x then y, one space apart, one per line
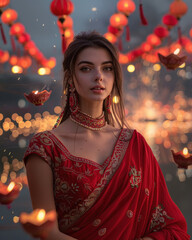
87 121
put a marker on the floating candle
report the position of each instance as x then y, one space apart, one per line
38 98
38 223
9 193
182 158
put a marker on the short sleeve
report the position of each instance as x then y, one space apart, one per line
41 145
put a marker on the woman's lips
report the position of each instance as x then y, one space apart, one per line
98 90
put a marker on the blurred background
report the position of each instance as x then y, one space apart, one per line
158 100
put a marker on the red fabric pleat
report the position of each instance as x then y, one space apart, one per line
143 19
3 34
127 207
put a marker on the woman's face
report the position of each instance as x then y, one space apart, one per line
94 74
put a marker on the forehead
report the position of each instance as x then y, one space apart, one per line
94 55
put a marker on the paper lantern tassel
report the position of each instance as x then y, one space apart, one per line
179 35
120 44
127 33
2 33
64 44
13 43
143 19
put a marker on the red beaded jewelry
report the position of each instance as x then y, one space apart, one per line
73 99
108 104
87 121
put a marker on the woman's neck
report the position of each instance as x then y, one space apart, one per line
94 110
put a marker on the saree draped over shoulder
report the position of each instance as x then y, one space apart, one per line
125 198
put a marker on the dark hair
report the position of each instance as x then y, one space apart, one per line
80 42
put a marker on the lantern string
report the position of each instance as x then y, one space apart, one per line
142 17
180 35
120 45
13 43
3 34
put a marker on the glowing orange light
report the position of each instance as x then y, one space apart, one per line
11 186
16 69
185 151
41 215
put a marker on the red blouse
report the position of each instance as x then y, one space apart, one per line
74 177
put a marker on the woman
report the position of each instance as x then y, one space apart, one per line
99 175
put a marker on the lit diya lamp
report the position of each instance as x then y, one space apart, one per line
38 98
182 158
9 193
38 223
172 61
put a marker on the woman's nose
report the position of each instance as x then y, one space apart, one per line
98 76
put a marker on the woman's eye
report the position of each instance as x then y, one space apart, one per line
85 69
108 69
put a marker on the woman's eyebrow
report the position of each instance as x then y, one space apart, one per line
90 63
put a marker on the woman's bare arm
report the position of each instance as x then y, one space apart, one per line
40 179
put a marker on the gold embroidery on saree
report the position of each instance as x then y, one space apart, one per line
85 205
135 177
102 232
159 217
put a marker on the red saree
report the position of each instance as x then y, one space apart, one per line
124 199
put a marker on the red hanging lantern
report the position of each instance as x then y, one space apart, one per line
115 31
123 59
190 33
23 38
110 37
161 32
66 22
178 8
146 47
4 56
163 50
29 44
13 60
38 98
9 16
170 21
4 3
51 63
61 7
17 29
25 62
153 40
184 40
118 20
150 57
188 47
126 6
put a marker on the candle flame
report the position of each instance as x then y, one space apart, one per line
36 92
41 215
185 151
177 51
11 186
